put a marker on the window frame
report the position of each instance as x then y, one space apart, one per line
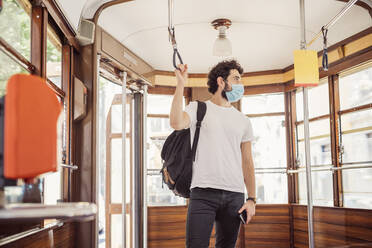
40 18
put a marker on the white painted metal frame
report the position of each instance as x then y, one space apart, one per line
123 137
145 222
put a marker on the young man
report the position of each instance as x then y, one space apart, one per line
223 161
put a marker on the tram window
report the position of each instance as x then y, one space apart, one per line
8 67
54 58
356 136
266 113
53 182
116 170
271 188
15 26
322 188
158 129
356 131
357 187
356 88
320 143
262 104
269 132
117 235
318 101
159 194
159 104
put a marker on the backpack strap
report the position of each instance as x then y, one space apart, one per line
202 109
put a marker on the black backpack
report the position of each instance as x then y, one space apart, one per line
178 156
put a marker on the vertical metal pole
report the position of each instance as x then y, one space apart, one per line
307 140
308 170
138 173
145 166
97 151
124 154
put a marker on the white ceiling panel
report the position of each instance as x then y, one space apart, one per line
263 33
72 10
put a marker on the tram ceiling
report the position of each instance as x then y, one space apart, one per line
263 34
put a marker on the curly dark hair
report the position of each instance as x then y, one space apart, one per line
222 69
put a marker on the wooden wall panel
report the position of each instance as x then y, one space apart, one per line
333 227
166 226
269 228
63 236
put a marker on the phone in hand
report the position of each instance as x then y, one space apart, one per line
243 216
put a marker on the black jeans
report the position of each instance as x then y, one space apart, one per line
207 206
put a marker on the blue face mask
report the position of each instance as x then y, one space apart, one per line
236 93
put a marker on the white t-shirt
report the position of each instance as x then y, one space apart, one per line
218 161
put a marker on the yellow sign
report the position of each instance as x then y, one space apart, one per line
306 68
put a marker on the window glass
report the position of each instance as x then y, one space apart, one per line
116 171
320 143
269 146
159 194
320 152
159 104
158 130
357 136
8 67
53 181
356 89
318 101
356 120
258 104
357 147
357 184
322 186
269 138
15 26
117 230
54 58
271 188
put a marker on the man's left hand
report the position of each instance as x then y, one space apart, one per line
250 207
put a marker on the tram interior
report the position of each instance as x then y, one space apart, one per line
109 65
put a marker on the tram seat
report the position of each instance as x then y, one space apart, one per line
30 127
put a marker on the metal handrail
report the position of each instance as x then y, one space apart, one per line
344 167
70 166
30 232
333 20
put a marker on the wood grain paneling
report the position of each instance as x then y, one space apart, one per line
166 226
63 236
269 228
333 227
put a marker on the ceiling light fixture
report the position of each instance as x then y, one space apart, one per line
222 45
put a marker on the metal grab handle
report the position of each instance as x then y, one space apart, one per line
175 52
172 35
70 166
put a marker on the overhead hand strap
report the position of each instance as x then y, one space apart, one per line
172 35
325 51
202 108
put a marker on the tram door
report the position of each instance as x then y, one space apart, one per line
111 226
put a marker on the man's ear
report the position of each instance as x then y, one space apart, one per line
221 83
